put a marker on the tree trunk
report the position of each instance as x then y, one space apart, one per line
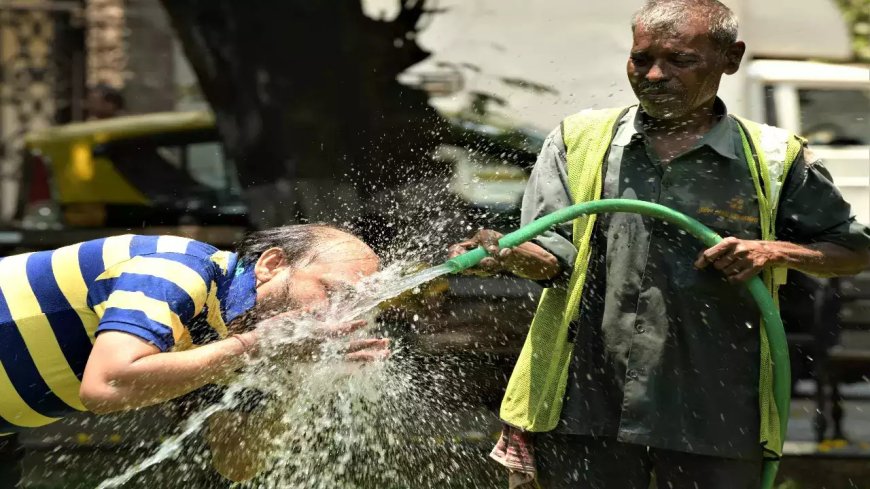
306 91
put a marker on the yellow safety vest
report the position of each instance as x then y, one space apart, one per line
536 389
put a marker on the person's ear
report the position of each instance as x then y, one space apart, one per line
734 56
271 263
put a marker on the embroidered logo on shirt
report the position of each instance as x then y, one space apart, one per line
736 204
723 214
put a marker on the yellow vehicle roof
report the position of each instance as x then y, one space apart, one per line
104 130
80 177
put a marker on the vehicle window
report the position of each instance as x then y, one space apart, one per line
835 117
206 164
171 155
156 171
176 166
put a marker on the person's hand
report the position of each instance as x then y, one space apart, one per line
527 260
738 259
490 265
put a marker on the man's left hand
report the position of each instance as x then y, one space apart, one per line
738 259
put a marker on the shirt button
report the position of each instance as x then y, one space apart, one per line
631 374
640 329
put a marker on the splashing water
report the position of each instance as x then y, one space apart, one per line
388 291
333 424
170 448
363 299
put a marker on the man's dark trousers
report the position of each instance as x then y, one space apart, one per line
572 461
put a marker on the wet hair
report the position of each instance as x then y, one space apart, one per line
109 94
670 14
298 241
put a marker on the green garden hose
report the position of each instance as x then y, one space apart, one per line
769 312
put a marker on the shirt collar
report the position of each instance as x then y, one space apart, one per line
238 292
630 128
720 138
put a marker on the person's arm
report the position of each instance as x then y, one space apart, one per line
528 260
144 305
741 260
127 372
817 232
550 255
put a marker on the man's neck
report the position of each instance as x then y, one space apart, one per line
673 137
696 123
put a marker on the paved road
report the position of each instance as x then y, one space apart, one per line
81 451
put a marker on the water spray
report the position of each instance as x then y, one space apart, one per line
769 312
343 440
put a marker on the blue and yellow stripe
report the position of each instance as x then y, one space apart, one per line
54 303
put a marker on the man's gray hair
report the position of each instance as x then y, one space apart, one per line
669 14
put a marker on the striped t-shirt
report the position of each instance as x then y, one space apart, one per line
170 291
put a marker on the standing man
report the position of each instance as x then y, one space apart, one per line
131 321
644 356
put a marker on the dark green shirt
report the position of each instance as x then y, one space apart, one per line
666 355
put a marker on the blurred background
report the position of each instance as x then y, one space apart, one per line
413 122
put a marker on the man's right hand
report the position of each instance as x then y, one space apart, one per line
490 265
527 260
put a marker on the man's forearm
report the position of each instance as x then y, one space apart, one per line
819 258
741 260
527 260
157 378
533 262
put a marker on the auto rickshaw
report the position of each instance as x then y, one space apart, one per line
161 173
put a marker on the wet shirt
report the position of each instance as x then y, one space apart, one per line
666 355
169 291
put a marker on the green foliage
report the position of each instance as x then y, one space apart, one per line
857 14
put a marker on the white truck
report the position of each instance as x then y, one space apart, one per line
830 106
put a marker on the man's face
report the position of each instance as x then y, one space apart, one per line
335 268
673 72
